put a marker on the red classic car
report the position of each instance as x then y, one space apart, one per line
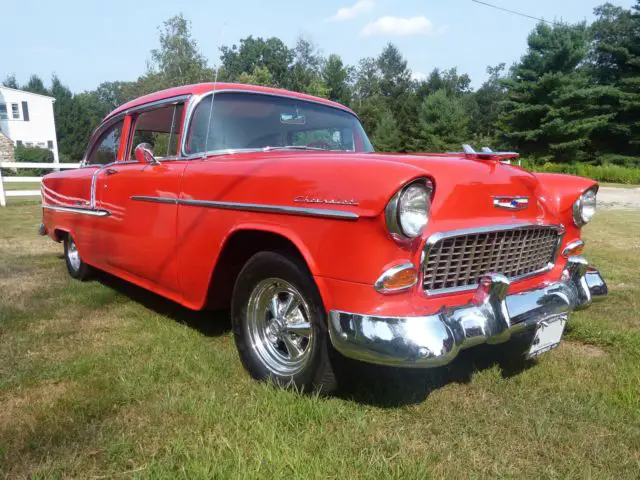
274 204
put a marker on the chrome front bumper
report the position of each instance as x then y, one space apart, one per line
492 317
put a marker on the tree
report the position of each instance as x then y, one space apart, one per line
531 118
448 80
259 76
252 52
35 85
614 66
178 60
443 122
10 81
304 74
337 78
396 87
367 82
386 137
484 106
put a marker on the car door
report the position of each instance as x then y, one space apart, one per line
140 230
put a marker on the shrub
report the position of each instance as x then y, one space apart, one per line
600 173
33 155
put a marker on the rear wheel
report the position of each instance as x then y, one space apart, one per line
75 265
279 324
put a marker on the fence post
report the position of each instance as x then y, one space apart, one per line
3 199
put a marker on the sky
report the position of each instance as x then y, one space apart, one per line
86 42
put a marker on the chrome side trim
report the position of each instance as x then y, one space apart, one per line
492 317
252 207
82 211
255 207
144 198
436 237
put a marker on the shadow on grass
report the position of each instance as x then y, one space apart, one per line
374 385
388 387
207 322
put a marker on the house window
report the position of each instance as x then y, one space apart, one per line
50 144
19 143
29 144
3 111
15 111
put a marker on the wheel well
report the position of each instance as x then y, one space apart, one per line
237 250
60 235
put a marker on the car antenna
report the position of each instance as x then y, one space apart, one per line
213 93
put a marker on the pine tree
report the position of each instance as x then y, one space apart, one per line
443 122
386 137
531 120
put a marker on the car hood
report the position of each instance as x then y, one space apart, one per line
468 188
363 183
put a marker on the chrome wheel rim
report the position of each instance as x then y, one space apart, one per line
73 255
279 326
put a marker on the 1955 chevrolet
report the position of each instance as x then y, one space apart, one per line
274 204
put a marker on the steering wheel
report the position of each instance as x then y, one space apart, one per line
320 144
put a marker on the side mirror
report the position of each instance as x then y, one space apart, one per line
144 154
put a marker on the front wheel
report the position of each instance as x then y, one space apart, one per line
75 265
279 324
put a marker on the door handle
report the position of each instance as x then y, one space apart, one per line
111 171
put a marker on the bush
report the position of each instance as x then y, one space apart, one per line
33 155
599 173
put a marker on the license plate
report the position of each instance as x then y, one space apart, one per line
547 336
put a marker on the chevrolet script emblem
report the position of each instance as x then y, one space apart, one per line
511 203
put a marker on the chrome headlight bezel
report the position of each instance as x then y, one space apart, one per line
584 208
397 226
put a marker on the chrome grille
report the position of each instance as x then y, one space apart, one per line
458 260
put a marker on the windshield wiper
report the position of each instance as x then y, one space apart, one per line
295 147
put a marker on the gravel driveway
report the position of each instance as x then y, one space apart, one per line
618 197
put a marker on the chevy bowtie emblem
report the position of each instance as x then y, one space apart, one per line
511 203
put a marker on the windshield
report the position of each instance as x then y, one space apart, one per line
241 121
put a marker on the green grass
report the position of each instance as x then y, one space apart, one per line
22 186
100 379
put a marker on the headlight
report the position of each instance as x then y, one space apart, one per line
407 213
585 207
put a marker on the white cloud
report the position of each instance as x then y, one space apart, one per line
349 13
418 76
400 26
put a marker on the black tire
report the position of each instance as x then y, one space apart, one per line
315 374
75 265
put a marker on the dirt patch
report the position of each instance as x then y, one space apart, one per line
20 408
619 198
584 349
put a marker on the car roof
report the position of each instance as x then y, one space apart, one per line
200 88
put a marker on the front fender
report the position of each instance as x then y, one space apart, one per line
559 192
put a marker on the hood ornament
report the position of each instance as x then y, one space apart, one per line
511 203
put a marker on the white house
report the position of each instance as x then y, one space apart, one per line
27 119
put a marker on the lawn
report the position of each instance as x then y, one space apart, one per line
103 380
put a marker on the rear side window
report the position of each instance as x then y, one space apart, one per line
105 150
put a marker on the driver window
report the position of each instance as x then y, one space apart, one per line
106 149
161 128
